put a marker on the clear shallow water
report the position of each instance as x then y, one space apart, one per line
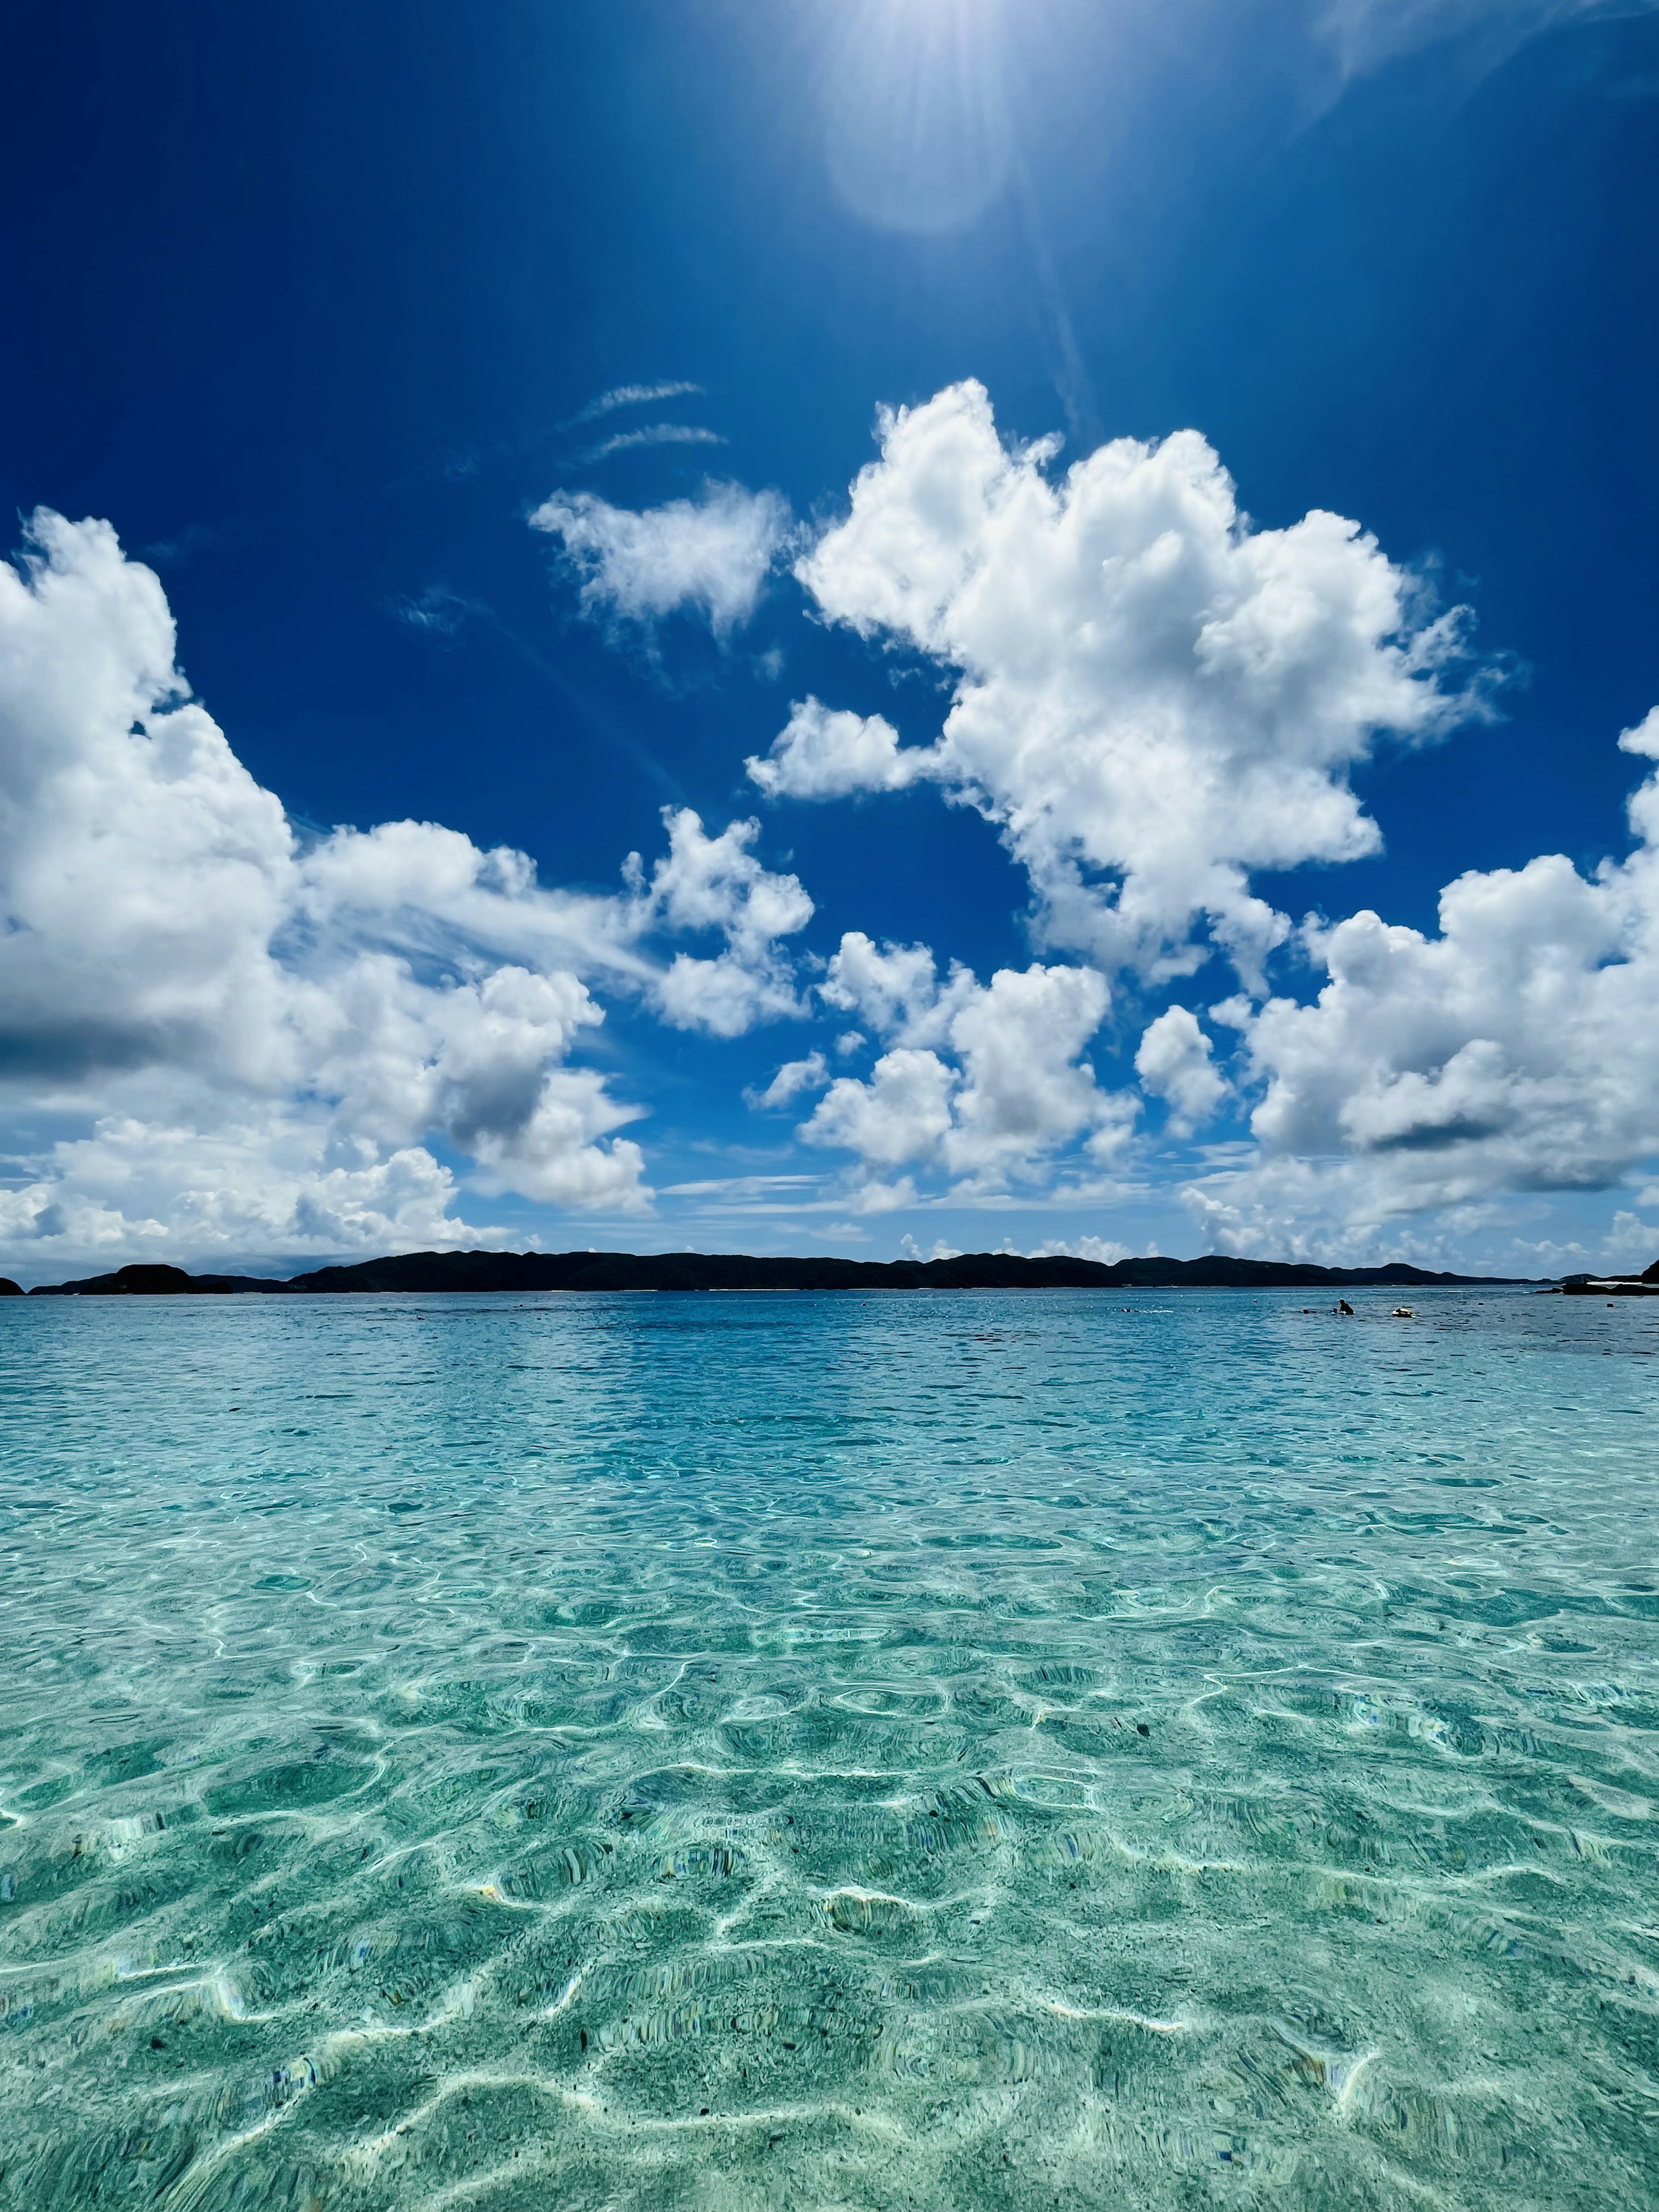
861 1752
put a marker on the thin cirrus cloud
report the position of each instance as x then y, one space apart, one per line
633 395
436 611
1364 34
263 1036
653 433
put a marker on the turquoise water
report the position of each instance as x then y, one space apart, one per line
844 1752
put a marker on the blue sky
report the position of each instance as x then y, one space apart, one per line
481 393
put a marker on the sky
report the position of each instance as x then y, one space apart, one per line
891 627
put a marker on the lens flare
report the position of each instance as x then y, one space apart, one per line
917 130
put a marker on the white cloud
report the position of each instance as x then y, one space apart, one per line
1025 1093
653 433
896 988
874 1196
710 556
231 1041
909 1250
1101 1249
1643 738
1365 33
1013 1092
902 1114
1631 1243
793 1077
633 395
1174 1062
1516 1051
824 752
477 1062
260 1179
716 883
1153 701
1153 698
437 610
272 1032
775 1192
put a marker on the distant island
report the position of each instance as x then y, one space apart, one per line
529 1271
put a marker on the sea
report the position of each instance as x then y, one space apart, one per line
855 1752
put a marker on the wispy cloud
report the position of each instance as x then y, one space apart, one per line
195 537
437 610
633 395
655 433
1365 33
711 556
739 1187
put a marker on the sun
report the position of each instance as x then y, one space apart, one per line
917 130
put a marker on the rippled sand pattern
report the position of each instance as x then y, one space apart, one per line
982 1751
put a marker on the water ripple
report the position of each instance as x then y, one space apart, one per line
834 1753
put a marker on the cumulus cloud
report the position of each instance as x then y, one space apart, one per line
709 555
902 1113
477 1062
1175 1062
1516 1051
1101 1249
896 988
909 1250
1024 1091
1153 698
208 1176
793 1077
1630 1241
824 752
273 1030
983 1083
716 883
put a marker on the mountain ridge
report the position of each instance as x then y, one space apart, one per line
413 1273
